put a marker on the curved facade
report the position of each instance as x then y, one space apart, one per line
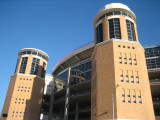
107 79
78 108
117 22
25 91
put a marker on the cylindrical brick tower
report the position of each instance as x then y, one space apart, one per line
25 91
119 58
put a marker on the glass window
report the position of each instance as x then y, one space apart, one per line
117 13
43 57
24 53
113 13
108 14
130 31
28 52
100 33
34 53
4 115
23 65
114 28
124 14
34 67
43 70
39 54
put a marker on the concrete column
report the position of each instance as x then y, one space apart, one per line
51 101
77 111
66 108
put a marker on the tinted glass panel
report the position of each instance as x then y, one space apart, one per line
34 67
23 65
34 53
152 52
130 31
28 52
153 63
114 28
117 12
85 66
99 33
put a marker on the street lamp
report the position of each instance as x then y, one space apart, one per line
113 98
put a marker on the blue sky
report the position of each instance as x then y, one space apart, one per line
59 26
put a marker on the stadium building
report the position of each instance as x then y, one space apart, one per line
107 79
115 67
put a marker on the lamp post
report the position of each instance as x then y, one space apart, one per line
113 98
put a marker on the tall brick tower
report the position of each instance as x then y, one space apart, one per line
25 91
119 58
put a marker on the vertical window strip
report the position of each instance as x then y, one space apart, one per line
132 76
123 95
120 57
127 77
140 96
34 67
23 65
121 75
130 31
43 70
114 28
100 33
137 76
